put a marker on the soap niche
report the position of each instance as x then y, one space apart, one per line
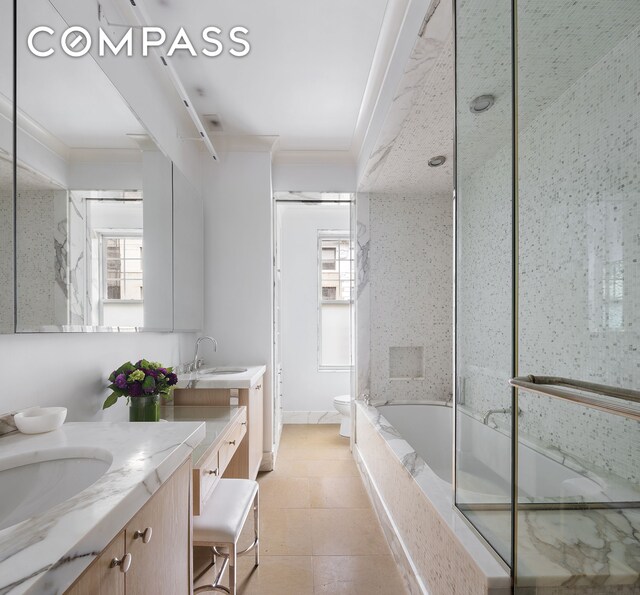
406 362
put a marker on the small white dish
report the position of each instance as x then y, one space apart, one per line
39 420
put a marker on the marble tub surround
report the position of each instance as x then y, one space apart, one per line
246 379
446 554
48 552
555 549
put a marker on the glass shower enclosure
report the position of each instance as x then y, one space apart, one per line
548 288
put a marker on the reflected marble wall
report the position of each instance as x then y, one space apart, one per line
42 257
6 256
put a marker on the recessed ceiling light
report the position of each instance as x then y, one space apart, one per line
482 104
437 161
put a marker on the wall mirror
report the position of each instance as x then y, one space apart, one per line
94 198
6 169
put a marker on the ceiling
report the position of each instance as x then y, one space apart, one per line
304 79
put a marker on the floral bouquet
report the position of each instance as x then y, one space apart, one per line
143 379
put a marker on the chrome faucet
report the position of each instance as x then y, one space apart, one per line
196 361
488 414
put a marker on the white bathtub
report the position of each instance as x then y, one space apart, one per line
484 473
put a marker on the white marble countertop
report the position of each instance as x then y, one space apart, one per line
246 379
45 554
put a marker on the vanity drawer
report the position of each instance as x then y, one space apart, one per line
231 442
212 466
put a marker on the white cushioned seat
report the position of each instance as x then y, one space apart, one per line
225 512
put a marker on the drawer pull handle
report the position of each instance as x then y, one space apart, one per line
232 442
144 535
213 472
124 564
258 387
244 423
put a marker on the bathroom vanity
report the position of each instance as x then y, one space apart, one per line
216 387
107 535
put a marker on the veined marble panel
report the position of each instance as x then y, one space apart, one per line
310 417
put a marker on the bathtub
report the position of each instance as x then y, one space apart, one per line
405 455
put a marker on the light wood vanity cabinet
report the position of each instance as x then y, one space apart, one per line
102 578
248 457
153 550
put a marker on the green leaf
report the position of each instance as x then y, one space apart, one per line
112 399
149 384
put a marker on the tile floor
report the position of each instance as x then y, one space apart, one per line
319 533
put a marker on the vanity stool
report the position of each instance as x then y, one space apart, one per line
219 526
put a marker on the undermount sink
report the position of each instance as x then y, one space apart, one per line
31 483
221 370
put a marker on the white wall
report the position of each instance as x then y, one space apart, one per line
71 370
238 265
318 177
304 388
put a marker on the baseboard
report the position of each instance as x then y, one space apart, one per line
268 461
310 417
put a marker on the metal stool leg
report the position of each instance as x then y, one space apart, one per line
232 569
256 527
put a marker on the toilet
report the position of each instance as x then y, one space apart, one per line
343 406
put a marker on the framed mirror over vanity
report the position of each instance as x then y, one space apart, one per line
91 205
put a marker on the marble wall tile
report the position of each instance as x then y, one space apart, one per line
411 282
363 296
310 417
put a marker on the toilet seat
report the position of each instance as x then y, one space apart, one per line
342 399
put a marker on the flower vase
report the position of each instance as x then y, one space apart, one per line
145 408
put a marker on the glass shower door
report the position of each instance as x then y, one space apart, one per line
484 264
578 148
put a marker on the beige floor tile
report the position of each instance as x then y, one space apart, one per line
346 532
286 468
338 468
356 575
284 492
276 575
338 492
285 532
312 452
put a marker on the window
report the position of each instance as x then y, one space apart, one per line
336 279
122 268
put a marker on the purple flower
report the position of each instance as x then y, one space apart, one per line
121 381
162 371
135 389
151 373
172 379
